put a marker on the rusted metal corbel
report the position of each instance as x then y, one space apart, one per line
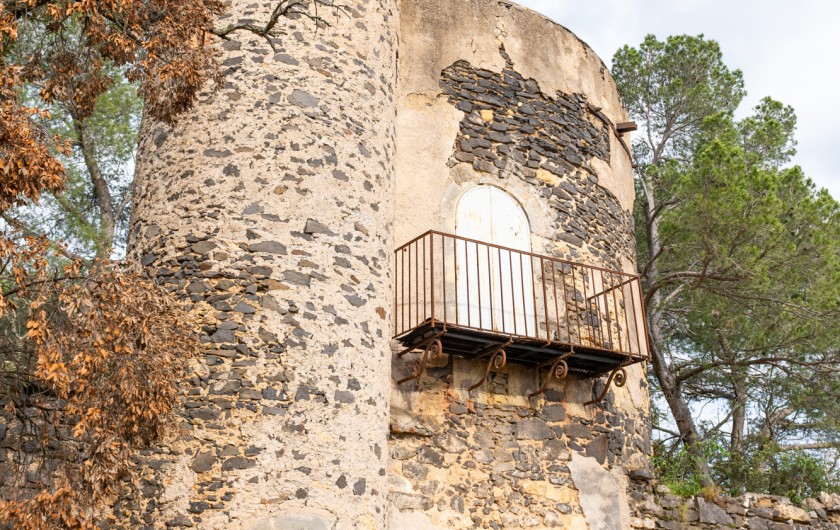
434 344
559 369
498 360
618 376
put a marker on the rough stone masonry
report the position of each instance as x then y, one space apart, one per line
269 207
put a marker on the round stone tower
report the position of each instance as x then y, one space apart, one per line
507 133
269 207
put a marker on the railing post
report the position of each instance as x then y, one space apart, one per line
545 298
432 275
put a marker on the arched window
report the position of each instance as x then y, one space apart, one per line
489 215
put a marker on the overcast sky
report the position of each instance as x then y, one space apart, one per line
787 50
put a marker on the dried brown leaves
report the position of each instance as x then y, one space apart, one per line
91 378
160 44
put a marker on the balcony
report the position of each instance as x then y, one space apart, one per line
476 300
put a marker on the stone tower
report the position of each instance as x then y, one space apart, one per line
494 95
275 207
270 206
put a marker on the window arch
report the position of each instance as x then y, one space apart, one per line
489 214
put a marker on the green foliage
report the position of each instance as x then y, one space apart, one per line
91 212
797 475
74 215
740 254
673 86
676 469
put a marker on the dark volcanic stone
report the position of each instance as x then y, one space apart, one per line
344 396
206 414
238 462
272 247
597 449
302 99
577 430
359 487
203 462
244 308
297 278
286 58
457 408
532 429
315 227
553 413
203 247
430 456
198 507
223 336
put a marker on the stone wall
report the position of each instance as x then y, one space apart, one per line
492 458
511 129
655 507
269 207
477 106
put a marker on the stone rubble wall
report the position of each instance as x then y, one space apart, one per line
511 129
492 458
655 507
269 208
484 99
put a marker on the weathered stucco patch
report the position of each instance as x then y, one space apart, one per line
603 496
300 519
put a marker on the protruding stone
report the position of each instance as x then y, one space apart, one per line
300 519
316 227
597 449
533 429
203 462
712 513
302 98
203 247
238 462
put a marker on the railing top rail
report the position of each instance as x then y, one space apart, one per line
500 247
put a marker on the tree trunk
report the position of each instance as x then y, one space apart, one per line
679 407
667 379
107 212
739 413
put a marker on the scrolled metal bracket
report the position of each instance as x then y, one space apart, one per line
498 360
438 352
559 369
617 377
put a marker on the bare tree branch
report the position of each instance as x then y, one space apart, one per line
283 8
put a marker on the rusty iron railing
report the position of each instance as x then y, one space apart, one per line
472 285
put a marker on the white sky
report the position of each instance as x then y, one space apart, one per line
787 50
